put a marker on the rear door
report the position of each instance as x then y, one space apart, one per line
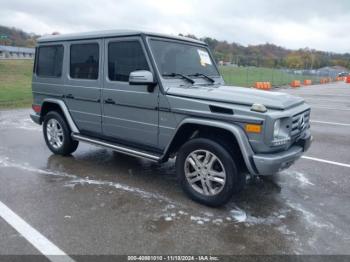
48 76
83 85
130 113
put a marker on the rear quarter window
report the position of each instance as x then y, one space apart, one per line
49 61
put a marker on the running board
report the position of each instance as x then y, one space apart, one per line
116 147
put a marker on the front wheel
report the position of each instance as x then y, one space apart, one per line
58 135
207 172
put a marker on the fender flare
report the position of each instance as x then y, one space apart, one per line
237 132
65 111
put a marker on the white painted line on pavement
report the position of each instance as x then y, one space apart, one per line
40 242
314 96
331 108
329 123
327 100
326 161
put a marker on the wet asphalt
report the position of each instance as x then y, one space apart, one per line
101 202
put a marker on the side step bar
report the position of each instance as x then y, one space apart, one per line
116 147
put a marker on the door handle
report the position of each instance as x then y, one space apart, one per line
109 101
70 96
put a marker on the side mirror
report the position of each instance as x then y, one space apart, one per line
141 77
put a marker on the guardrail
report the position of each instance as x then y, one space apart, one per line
306 82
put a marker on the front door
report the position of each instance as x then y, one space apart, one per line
83 85
130 112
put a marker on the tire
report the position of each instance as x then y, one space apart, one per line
242 178
214 175
57 134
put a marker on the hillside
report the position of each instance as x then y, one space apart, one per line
264 55
16 37
273 56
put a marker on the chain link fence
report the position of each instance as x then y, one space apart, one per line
246 70
247 76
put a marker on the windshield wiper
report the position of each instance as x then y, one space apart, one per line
188 79
205 76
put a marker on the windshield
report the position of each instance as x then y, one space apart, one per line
182 58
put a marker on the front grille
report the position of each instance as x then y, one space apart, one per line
296 125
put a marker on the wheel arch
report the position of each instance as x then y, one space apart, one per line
192 127
51 104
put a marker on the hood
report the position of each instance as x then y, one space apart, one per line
238 95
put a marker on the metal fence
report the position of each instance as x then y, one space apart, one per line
247 76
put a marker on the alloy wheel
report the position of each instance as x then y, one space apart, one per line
54 133
205 172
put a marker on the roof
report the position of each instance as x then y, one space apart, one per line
17 49
108 34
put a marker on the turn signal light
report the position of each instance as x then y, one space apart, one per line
251 128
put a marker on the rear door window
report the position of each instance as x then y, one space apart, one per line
84 61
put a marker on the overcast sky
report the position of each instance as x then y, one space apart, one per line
321 24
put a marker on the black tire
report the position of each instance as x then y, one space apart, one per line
67 145
233 181
242 178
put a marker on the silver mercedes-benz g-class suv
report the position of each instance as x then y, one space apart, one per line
159 97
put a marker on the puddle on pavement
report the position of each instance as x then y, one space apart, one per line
18 119
58 171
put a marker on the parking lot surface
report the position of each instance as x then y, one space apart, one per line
101 202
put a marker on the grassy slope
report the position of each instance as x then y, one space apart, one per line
15 83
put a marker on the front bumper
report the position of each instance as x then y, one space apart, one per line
269 164
36 118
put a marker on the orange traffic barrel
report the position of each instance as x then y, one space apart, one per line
295 83
263 85
323 80
307 82
340 78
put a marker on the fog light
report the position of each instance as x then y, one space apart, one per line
281 141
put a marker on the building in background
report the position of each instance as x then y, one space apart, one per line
14 52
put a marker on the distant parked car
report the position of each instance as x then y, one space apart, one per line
342 74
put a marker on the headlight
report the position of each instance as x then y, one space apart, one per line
280 134
276 128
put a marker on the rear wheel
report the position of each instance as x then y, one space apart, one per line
58 135
207 172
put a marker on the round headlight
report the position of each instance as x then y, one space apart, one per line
276 128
